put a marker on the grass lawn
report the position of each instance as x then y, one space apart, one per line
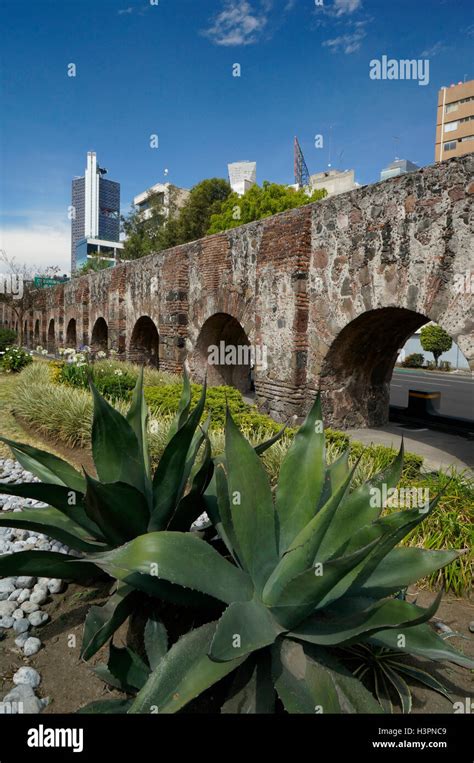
16 429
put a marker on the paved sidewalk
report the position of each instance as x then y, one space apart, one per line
439 449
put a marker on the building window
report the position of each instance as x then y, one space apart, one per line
452 107
450 126
468 137
450 146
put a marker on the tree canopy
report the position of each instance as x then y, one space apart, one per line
434 339
259 202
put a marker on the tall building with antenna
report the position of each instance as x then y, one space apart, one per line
95 223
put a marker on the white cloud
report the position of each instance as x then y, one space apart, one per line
239 23
38 246
341 7
346 43
125 10
438 47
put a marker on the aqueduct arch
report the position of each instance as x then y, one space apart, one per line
330 291
51 339
356 372
220 338
100 336
144 343
71 334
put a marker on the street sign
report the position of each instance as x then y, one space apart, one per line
41 281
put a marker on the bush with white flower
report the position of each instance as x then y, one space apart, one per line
14 359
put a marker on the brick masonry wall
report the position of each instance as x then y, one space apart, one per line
332 290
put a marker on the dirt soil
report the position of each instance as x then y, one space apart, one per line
71 684
65 678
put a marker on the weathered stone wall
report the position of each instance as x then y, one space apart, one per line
332 290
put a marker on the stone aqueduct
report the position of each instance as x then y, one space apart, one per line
332 290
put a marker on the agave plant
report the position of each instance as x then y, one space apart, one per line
126 501
303 572
127 670
387 672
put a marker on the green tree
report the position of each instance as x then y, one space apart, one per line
143 235
205 200
434 339
259 202
93 265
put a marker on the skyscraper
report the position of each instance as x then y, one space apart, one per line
455 121
95 224
242 176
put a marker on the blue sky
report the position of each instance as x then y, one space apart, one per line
166 69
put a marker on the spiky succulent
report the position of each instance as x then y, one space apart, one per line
304 572
387 673
96 515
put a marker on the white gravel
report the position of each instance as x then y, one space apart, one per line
22 597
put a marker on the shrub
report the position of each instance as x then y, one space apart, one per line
111 382
126 501
7 338
415 360
165 399
14 359
444 365
65 414
303 572
113 379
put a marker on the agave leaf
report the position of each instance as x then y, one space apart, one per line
381 692
55 524
48 564
162 589
102 622
309 681
263 446
358 509
304 548
243 628
392 613
388 531
106 676
421 676
69 502
47 467
184 673
252 689
397 530
183 406
156 640
106 706
301 478
119 509
251 506
216 500
421 641
335 475
192 504
137 417
170 478
399 685
402 567
300 597
128 668
115 448
180 558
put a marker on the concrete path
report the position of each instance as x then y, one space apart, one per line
440 450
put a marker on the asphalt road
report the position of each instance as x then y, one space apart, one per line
457 390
